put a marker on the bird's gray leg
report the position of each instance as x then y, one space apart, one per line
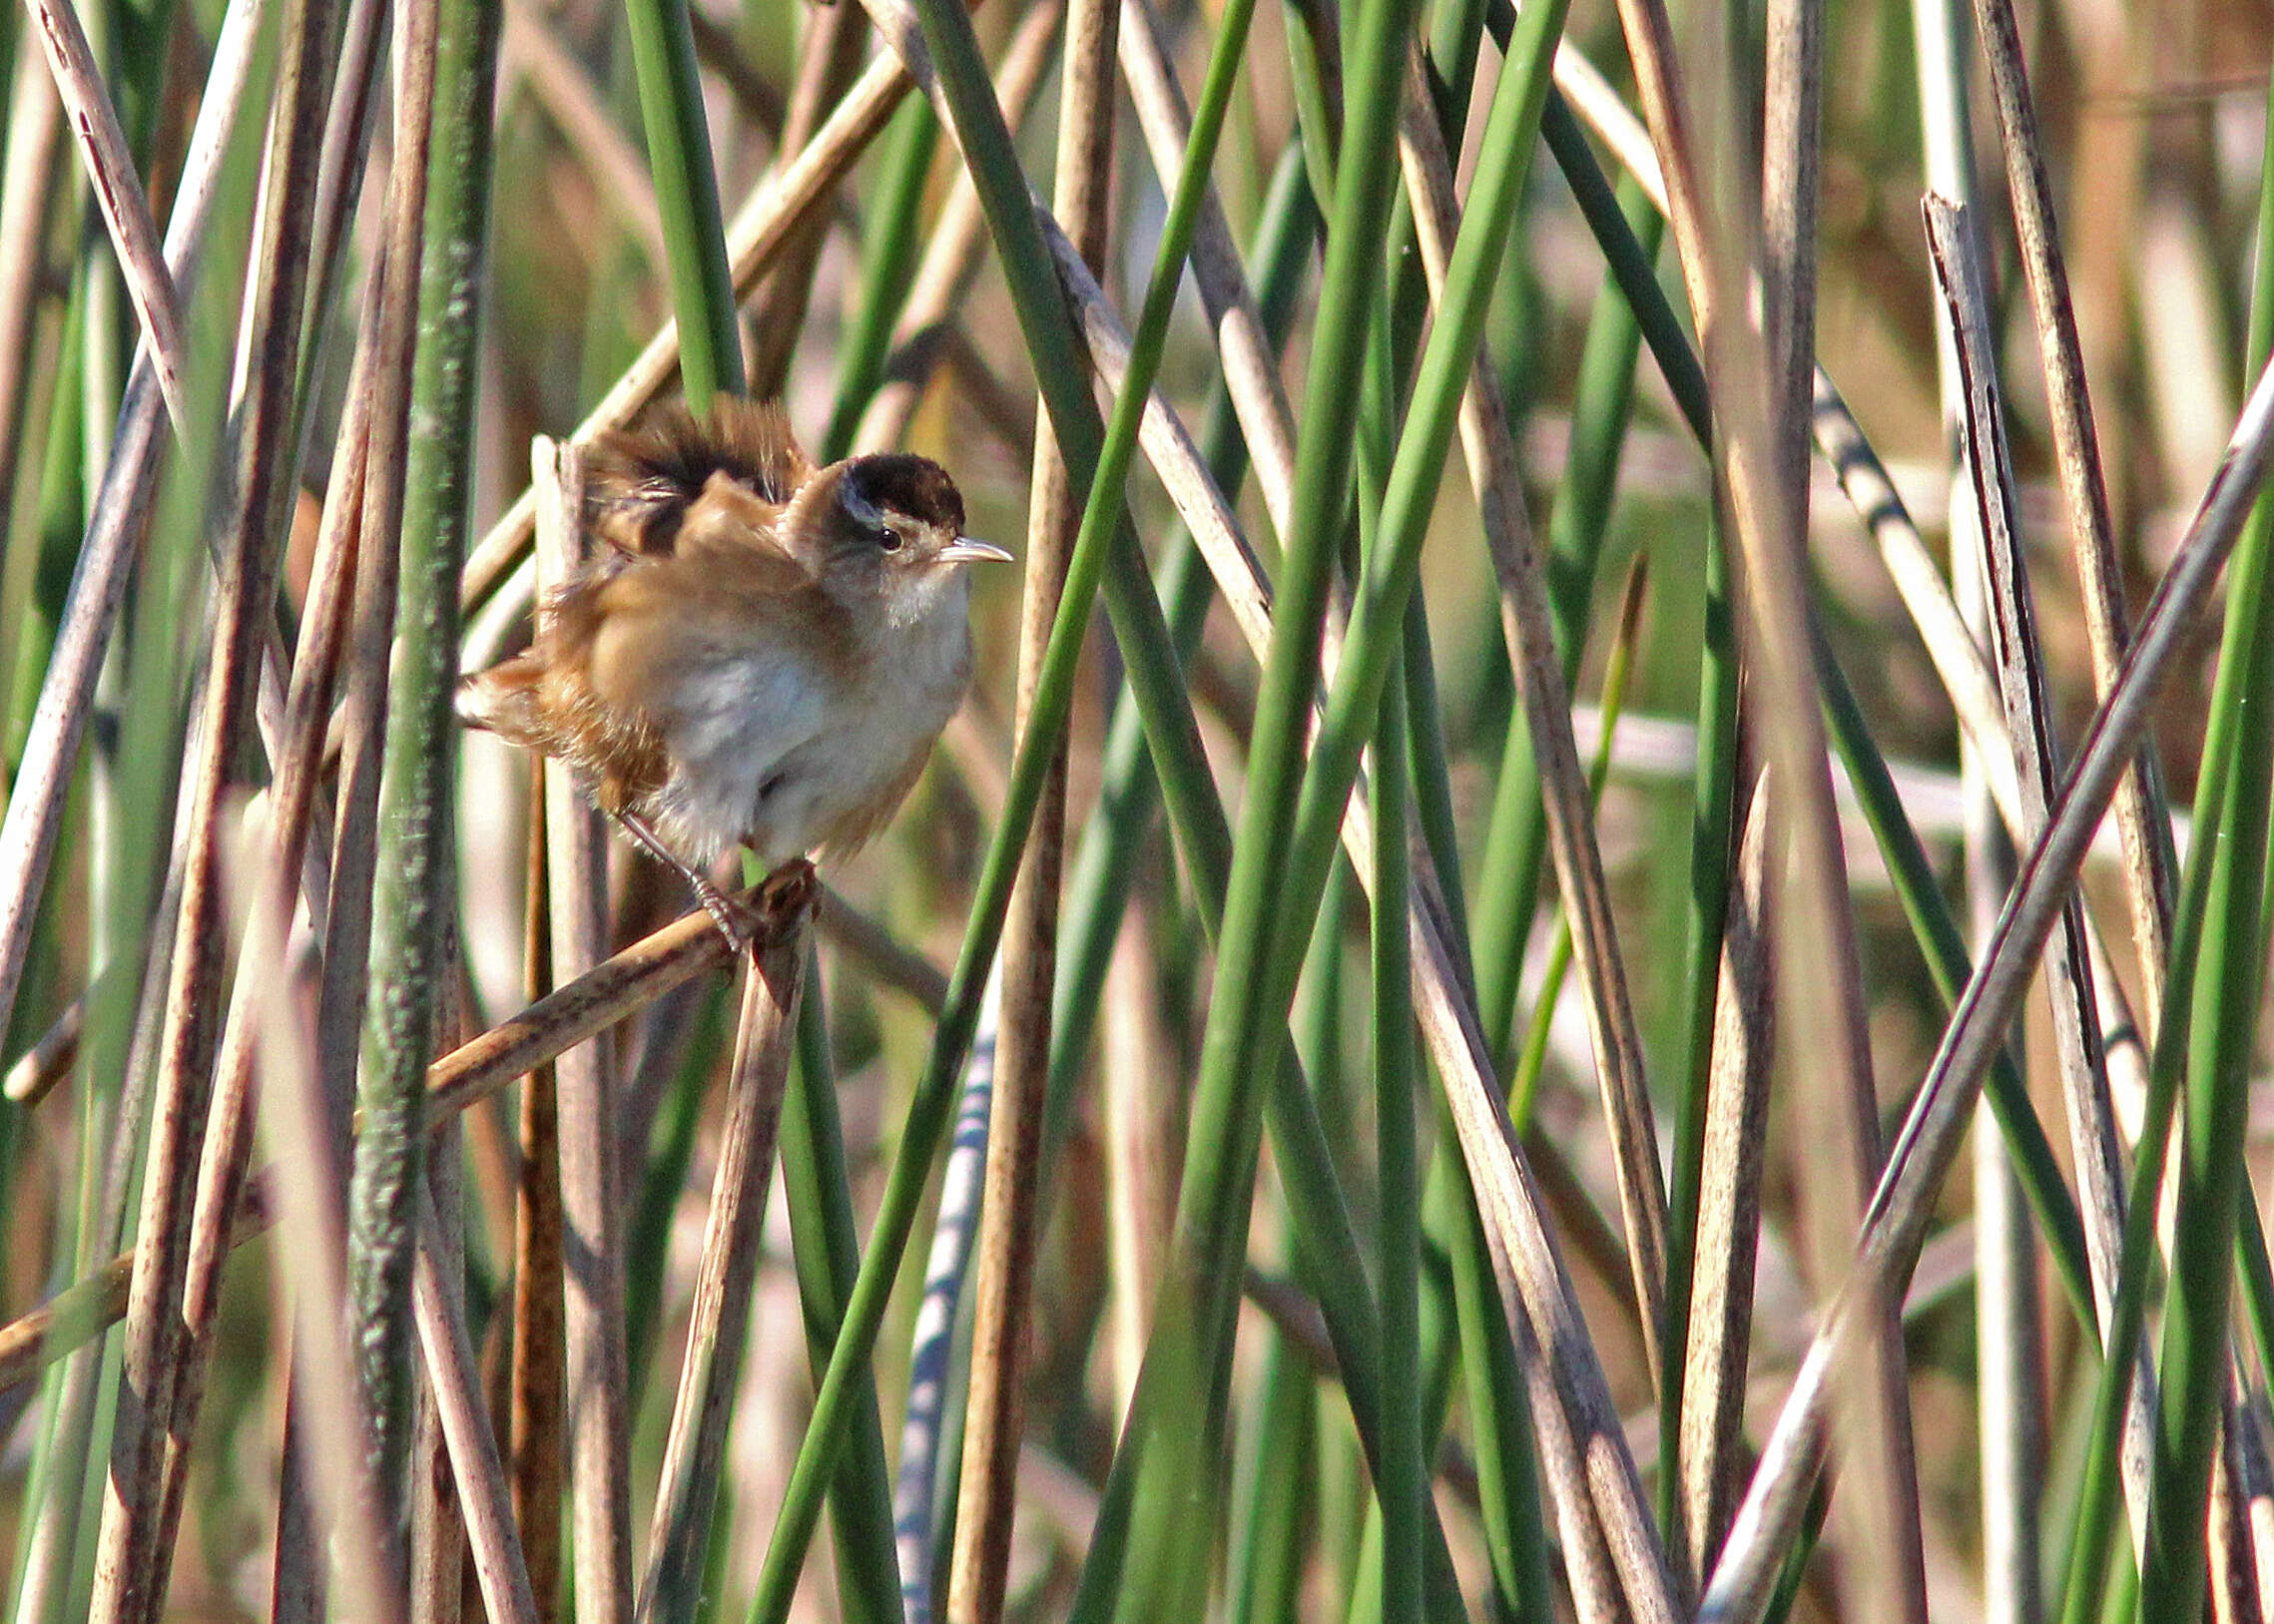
737 922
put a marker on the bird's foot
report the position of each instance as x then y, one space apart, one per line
783 900
737 920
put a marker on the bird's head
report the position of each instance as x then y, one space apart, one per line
888 526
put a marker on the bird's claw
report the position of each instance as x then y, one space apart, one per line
737 920
783 900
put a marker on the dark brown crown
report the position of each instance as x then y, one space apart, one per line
642 479
916 486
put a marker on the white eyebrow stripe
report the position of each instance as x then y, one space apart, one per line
859 506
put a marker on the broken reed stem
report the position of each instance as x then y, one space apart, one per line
539 1361
2020 660
679 1541
598 1440
2143 818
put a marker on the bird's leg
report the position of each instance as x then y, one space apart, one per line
734 920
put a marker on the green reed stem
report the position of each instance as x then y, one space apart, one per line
687 196
817 1186
1403 1480
1176 1421
417 830
890 245
1102 460
1097 882
2221 1000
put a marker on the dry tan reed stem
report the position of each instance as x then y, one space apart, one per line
1901 1206
133 1553
2020 667
333 1506
1729 1204
1143 1107
119 191
1760 412
438 1523
28 192
1881 1515
695 1447
1011 1208
2143 819
122 509
1251 366
1497 479
539 1361
592 1219
296 807
453 1378
610 993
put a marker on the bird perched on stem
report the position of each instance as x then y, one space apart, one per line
762 652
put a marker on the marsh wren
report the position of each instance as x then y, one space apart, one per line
760 653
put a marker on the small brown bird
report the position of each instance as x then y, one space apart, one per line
762 654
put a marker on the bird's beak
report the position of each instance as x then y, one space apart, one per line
963 550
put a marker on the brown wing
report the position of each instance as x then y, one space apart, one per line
546 699
643 482
730 540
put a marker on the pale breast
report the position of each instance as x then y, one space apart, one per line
791 749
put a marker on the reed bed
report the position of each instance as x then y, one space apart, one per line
1634 629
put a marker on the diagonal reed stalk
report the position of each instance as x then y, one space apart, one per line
133 1554
119 193
1369 1369
2020 667
977 124
122 509
1895 1223
476 1071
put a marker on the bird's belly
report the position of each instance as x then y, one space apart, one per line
762 756
838 779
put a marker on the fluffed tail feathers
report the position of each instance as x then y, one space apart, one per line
502 699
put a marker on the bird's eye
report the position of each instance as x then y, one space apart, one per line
888 538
